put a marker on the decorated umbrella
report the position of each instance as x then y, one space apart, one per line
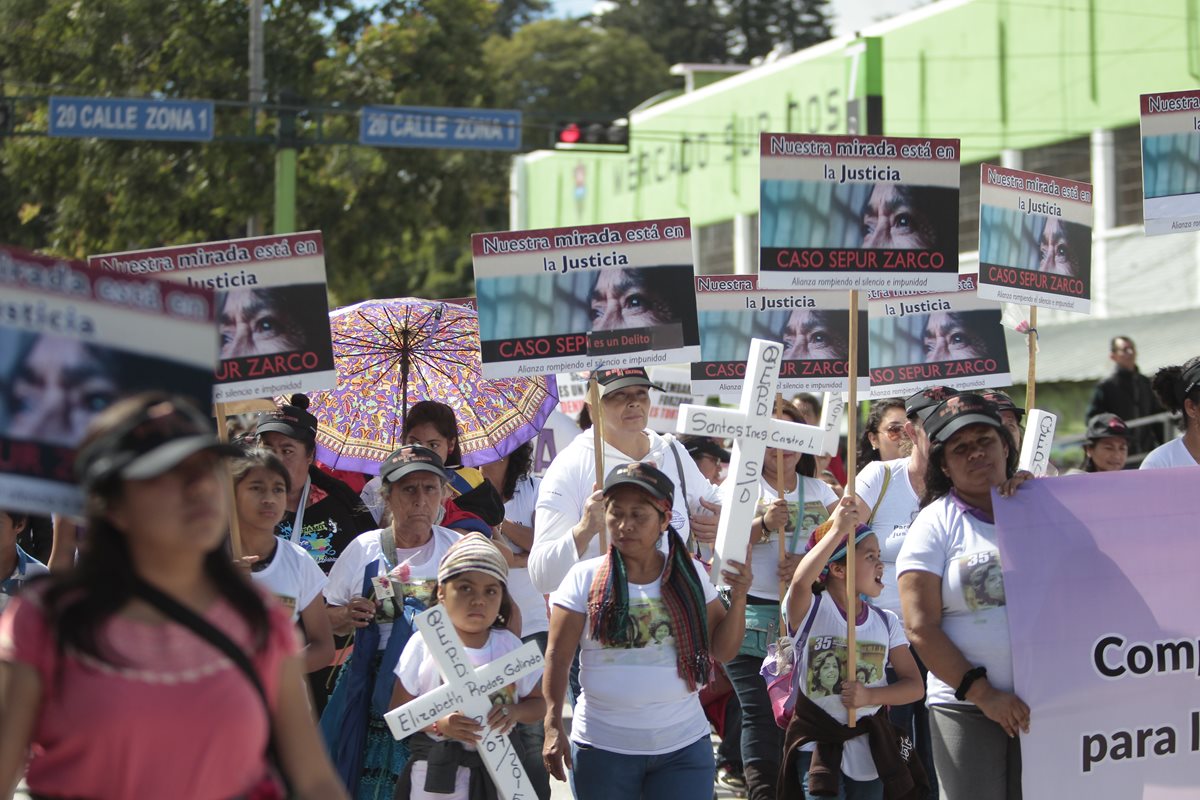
391 354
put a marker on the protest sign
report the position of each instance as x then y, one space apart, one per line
72 342
1171 161
858 212
1105 645
1035 239
814 327
945 339
272 311
563 299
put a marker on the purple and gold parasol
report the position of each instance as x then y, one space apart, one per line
391 354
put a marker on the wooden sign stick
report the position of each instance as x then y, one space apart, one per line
781 491
851 468
235 532
598 443
1031 378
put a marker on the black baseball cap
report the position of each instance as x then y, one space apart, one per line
705 446
291 419
1102 426
1003 402
958 412
158 437
1190 379
924 401
610 380
646 477
409 459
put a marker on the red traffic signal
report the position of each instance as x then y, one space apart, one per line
569 134
602 134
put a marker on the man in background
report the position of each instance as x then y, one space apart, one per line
1127 393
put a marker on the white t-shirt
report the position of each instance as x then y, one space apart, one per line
568 483
895 513
765 558
962 550
27 568
823 663
293 577
633 700
346 577
1172 454
531 602
419 675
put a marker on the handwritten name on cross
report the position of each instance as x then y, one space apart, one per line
752 429
466 689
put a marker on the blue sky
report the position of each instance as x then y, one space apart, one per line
849 15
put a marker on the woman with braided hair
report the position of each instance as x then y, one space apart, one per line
638 729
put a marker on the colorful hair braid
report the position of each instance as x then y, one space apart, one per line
682 596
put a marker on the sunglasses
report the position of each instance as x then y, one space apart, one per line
895 431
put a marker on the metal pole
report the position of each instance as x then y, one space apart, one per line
254 224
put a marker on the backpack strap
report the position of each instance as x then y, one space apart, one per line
683 486
887 478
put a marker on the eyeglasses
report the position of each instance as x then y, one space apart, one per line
1129 351
894 432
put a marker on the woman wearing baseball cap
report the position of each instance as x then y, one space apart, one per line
378 584
961 632
638 729
154 668
1106 447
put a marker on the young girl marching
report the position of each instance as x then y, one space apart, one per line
472 586
283 568
818 741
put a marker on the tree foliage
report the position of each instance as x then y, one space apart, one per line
721 31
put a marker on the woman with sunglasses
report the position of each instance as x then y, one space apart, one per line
154 668
883 437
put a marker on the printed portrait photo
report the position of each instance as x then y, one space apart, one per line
982 581
279 319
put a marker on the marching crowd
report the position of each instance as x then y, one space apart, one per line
167 663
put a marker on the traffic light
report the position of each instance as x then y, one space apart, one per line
591 134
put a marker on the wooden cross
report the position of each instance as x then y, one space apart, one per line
466 689
752 430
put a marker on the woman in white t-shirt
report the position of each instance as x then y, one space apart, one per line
638 730
816 610
952 593
285 569
807 503
378 584
1178 389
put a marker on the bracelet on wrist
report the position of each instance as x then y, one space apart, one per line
969 678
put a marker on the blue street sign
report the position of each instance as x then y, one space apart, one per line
440 128
123 118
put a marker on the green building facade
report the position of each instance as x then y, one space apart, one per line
1047 86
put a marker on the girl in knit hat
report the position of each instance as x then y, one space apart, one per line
472 585
820 648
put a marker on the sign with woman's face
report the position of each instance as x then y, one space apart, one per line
813 326
569 299
73 341
272 310
1035 239
858 212
947 339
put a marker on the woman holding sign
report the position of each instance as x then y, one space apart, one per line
807 502
638 729
154 668
952 594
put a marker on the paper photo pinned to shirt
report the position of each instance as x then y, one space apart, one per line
272 309
858 212
813 326
567 299
945 339
1035 239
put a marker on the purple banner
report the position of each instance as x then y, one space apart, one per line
1102 597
